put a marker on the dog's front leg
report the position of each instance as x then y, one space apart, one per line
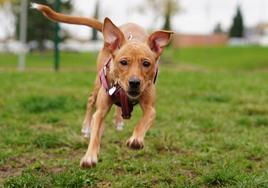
103 105
136 141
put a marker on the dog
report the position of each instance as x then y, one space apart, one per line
127 66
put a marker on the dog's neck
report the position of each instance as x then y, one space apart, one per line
116 92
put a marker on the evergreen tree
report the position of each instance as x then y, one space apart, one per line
237 29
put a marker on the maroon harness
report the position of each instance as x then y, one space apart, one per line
116 92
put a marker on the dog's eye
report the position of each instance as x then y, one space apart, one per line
146 63
123 62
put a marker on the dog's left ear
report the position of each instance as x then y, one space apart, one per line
113 36
158 40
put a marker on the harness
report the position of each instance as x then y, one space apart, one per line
116 92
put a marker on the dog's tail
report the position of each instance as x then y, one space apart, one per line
58 17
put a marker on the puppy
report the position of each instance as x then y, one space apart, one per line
127 65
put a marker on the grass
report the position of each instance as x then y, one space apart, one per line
231 58
211 127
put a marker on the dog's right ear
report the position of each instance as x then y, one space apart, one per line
113 36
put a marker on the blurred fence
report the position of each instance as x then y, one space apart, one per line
189 40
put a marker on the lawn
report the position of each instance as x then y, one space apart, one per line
211 127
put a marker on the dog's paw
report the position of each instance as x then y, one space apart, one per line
88 161
86 129
119 126
135 143
85 132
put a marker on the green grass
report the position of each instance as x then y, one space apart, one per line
210 131
231 58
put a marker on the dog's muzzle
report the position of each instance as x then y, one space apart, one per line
134 87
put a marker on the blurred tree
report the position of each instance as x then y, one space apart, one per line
171 7
165 9
96 16
3 1
7 19
237 28
39 28
218 28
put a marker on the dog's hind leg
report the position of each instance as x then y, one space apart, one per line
90 107
118 119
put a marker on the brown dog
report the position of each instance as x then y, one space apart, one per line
127 61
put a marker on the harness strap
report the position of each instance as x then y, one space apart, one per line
121 99
156 72
102 76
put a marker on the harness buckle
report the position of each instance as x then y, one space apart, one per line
112 90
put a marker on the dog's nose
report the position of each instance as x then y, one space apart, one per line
134 82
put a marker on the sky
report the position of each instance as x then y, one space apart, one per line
196 16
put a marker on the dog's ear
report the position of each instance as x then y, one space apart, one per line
158 40
113 36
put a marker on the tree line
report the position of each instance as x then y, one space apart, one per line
40 29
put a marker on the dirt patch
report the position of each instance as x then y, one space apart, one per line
15 165
43 127
254 158
189 173
162 149
104 184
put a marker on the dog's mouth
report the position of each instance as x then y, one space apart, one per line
133 94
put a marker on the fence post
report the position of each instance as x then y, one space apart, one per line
23 34
57 40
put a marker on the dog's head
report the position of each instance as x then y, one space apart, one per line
134 62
